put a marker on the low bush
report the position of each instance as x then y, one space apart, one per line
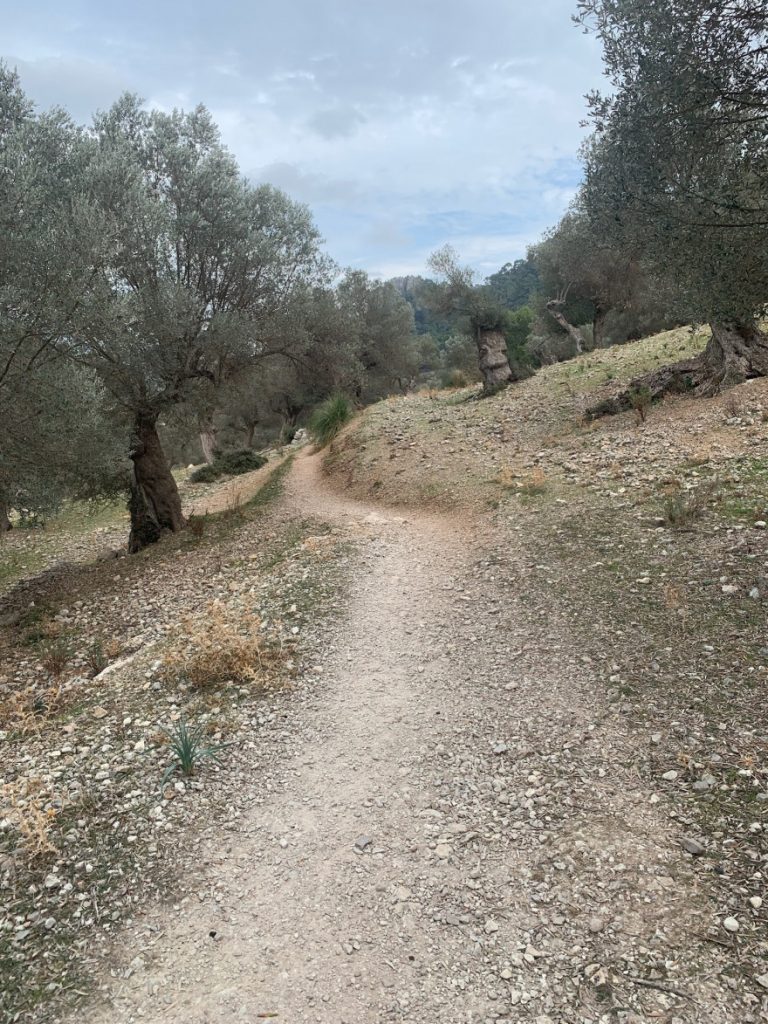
232 463
204 474
240 460
640 399
328 419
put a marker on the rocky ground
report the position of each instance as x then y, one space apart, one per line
94 665
502 762
452 826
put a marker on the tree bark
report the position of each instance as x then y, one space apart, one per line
492 360
5 522
734 353
598 326
155 505
207 437
555 310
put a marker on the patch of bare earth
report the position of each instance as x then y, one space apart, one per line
453 824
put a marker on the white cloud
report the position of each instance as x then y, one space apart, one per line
407 125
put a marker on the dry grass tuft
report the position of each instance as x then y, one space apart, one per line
24 807
27 710
534 483
506 477
684 507
222 648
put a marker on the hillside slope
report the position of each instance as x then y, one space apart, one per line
649 540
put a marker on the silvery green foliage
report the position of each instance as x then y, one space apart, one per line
60 441
195 264
382 323
57 439
679 163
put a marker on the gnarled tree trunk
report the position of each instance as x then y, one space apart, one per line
207 437
734 353
492 360
155 505
250 431
555 310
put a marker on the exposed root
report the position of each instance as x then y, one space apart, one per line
734 353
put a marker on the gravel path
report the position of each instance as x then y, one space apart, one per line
451 829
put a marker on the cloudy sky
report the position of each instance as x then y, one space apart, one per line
404 125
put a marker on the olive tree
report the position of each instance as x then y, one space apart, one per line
194 266
477 309
382 327
57 439
679 166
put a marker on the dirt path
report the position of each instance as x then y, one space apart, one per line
453 830
237 490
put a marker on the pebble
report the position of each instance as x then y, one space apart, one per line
693 847
731 924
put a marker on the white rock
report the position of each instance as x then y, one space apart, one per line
731 924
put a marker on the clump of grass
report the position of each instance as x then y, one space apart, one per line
534 484
189 748
55 655
96 658
222 648
682 508
328 419
506 477
196 526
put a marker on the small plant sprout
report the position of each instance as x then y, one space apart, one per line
640 399
189 748
97 658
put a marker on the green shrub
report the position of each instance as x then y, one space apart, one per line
204 474
328 419
232 463
240 460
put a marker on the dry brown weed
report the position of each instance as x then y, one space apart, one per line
24 806
223 647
